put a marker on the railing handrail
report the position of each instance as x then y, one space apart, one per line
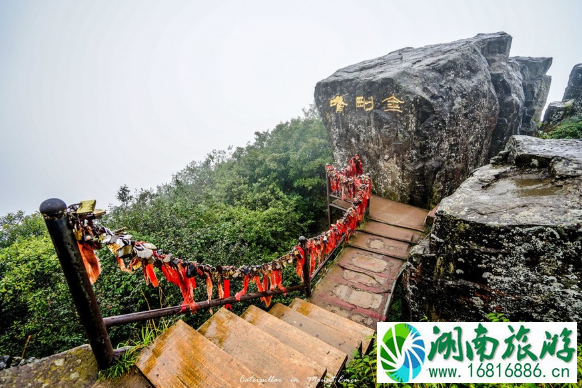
74 236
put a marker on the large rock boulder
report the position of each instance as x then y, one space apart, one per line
422 119
509 240
571 104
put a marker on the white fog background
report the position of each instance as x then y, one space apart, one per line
98 94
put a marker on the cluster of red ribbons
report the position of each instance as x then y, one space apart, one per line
132 255
348 183
353 187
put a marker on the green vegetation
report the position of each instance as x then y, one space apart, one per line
149 333
243 206
570 128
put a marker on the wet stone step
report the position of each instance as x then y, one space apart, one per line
377 244
396 213
391 231
265 355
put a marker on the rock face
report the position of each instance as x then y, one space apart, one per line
76 367
422 119
571 104
536 86
509 240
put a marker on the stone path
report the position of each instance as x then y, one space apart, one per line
359 285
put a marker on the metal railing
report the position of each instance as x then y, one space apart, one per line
54 212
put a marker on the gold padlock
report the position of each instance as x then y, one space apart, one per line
114 248
135 263
86 207
79 234
125 251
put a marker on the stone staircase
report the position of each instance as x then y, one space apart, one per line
309 342
360 284
297 346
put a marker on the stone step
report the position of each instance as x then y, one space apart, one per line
348 296
310 347
347 326
336 306
397 214
265 355
391 231
377 244
183 358
328 334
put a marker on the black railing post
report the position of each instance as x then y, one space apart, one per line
54 212
306 267
328 189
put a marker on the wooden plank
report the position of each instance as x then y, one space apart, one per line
328 334
183 358
346 325
311 347
261 352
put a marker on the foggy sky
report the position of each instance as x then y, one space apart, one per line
97 94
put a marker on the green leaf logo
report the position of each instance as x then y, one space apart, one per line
402 353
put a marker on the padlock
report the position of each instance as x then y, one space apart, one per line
144 253
114 248
79 234
135 263
149 246
86 207
191 270
125 251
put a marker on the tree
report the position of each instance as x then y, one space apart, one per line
123 195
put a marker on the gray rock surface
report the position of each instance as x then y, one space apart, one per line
536 86
76 367
571 104
574 89
423 118
509 240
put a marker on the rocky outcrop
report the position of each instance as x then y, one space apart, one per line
509 240
536 86
571 104
76 367
422 119
574 89
507 81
